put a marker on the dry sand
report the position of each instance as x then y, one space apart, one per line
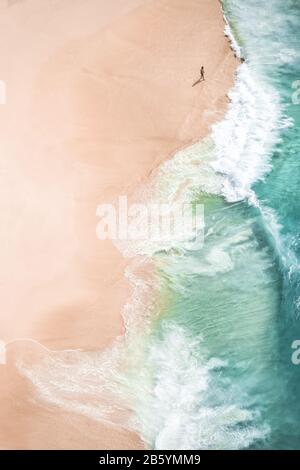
98 94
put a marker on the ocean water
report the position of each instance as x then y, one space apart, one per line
209 366
215 369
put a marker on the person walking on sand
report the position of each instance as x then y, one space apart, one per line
202 73
202 78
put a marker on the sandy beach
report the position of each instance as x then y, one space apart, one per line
98 95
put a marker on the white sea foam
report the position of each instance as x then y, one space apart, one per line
286 257
77 381
234 45
177 182
266 42
94 383
172 399
287 55
245 138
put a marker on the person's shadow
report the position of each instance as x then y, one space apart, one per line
201 79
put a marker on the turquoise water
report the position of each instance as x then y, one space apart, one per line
274 51
216 369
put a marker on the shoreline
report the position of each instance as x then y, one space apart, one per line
136 74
